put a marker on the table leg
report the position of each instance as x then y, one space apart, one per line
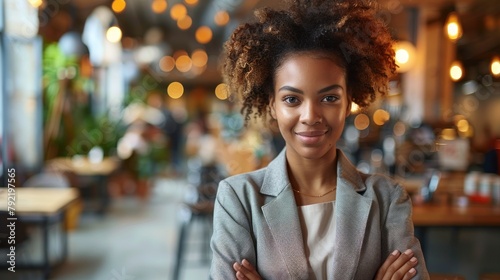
45 237
64 237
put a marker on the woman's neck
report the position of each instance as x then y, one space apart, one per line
313 176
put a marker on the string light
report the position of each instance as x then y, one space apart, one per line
159 6
185 22
453 27
495 66
203 34
456 71
221 91
175 90
178 11
118 6
221 18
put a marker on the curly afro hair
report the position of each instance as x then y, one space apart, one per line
347 29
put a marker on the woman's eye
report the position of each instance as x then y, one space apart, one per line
291 99
330 98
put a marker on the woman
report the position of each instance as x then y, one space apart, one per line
310 214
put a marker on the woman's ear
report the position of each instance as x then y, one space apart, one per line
272 110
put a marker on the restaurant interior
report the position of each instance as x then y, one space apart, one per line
116 127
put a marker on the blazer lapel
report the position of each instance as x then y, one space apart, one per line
351 212
283 219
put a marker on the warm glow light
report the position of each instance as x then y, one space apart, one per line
114 34
185 22
453 27
405 55
159 6
463 125
448 134
167 63
361 122
203 34
380 117
36 3
191 2
200 58
456 71
183 63
175 90
178 11
221 18
222 92
118 6
402 56
495 66
354 108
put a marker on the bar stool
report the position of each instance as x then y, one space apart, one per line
199 210
201 213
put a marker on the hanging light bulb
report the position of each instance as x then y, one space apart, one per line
456 71
453 27
495 66
405 55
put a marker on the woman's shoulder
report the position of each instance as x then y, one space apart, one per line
381 182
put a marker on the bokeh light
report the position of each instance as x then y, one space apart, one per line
203 34
185 22
222 91
178 11
159 6
362 121
114 34
221 18
199 57
175 90
183 63
118 6
167 63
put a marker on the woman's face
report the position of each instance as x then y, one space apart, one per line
310 104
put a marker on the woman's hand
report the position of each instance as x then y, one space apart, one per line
246 271
398 266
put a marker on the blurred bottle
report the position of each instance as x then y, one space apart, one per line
471 183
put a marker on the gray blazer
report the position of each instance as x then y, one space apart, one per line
256 218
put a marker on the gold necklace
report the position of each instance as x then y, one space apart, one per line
310 195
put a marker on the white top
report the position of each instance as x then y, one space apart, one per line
318 229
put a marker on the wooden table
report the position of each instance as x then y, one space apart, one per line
428 216
83 167
42 206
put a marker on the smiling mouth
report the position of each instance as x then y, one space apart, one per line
315 133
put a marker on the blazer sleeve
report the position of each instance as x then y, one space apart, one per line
400 231
231 239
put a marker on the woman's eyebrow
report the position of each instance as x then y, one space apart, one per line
292 89
296 90
332 87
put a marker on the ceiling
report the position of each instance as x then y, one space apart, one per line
480 20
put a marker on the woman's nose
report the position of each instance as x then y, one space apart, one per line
311 113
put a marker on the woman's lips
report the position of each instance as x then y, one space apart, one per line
310 137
